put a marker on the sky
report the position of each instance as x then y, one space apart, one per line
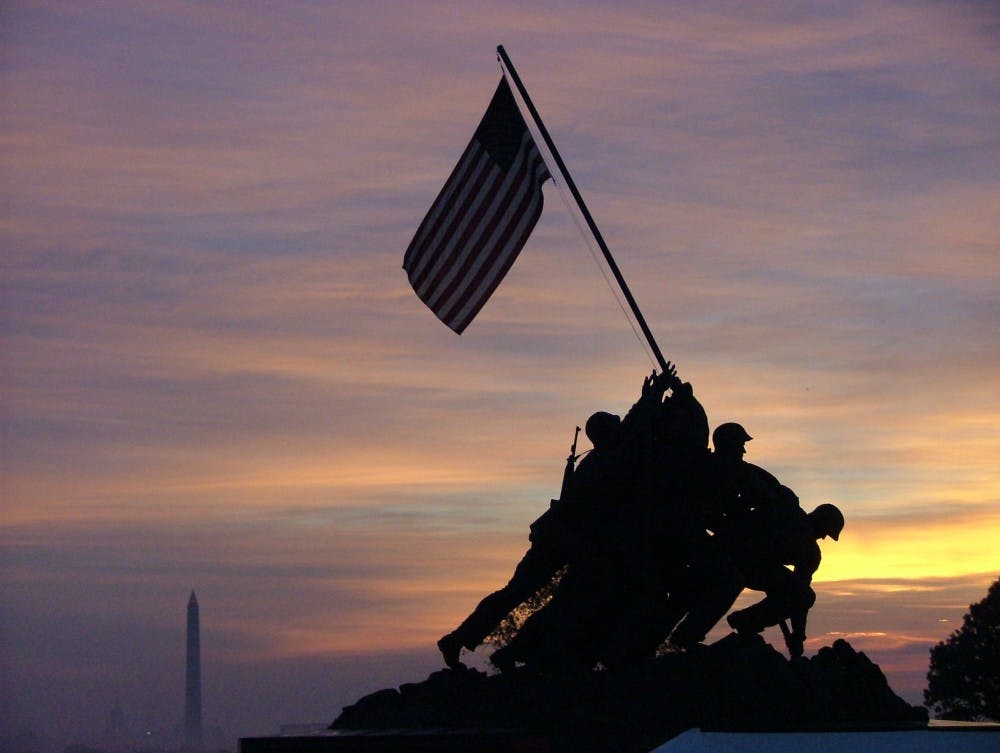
214 375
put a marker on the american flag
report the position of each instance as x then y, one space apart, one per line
481 219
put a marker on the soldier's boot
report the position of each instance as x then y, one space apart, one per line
688 634
796 644
756 617
741 623
503 660
450 647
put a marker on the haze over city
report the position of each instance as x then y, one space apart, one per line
215 375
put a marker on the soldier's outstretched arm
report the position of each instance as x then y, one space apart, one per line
655 384
669 376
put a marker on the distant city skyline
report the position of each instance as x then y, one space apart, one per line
214 373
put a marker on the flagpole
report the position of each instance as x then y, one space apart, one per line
502 56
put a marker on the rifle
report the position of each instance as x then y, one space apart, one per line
570 466
545 525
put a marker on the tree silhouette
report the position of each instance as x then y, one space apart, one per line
964 678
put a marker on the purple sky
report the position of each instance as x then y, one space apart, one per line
214 375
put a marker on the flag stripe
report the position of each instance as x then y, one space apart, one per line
507 233
485 228
505 260
454 242
443 216
481 219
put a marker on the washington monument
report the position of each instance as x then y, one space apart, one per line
192 686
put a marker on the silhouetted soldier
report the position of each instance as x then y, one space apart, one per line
679 447
576 625
761 556
612 605
572 525
547 554
725 491
730 487
662 535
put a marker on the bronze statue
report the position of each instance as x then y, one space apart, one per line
567 532
653 538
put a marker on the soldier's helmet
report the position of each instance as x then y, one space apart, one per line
729 434
602 428
828 520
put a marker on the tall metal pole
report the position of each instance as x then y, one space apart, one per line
502 56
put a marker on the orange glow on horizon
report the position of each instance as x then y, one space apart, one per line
913 550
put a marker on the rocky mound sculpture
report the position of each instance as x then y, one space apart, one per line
739 682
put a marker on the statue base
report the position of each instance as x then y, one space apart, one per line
737 683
